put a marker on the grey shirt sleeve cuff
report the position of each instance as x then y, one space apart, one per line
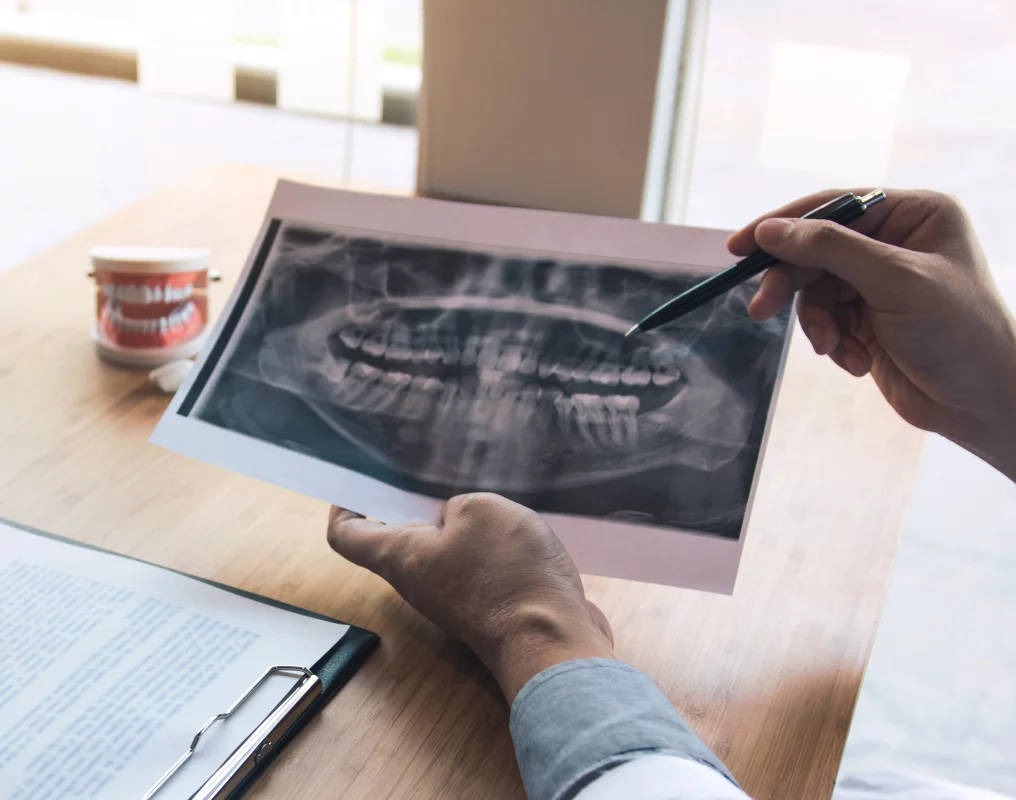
575 720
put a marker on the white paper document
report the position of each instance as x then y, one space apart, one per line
108 667
385 354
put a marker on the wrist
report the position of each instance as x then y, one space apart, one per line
537 638
989 431
993 441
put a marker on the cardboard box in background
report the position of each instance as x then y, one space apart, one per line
540 103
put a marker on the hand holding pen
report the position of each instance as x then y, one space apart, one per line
906 295
843 210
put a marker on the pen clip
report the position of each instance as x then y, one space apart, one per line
826 209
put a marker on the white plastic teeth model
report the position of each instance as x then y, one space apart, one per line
146 295
180 316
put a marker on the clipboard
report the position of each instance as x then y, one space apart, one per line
313 687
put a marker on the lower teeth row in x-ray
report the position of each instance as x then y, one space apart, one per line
441 370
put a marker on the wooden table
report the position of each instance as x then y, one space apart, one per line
768 677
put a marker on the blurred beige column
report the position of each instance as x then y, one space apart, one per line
549 103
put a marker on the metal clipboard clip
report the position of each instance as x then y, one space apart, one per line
258 744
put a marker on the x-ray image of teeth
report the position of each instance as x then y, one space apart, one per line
440 370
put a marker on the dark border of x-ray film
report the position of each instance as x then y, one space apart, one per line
226 334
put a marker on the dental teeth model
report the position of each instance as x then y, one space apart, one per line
151 303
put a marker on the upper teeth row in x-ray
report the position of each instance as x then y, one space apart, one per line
493 352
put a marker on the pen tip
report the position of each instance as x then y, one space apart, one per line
633 329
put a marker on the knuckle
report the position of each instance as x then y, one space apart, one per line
337 533
476 503
941 200
389 556
900 259
408 561
940 271
908 264
914 274
902 271
922 203
824 231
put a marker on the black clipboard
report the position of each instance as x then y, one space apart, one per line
314 686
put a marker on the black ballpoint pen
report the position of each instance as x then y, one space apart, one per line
844 209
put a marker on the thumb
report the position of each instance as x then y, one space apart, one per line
365 542
872 267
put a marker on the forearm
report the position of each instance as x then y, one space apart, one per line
576 723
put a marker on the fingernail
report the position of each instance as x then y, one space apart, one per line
853 364
773 232
826 340
814 334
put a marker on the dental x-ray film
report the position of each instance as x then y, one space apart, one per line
385 354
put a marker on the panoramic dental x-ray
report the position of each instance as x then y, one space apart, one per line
439 368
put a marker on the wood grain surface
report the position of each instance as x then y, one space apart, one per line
768 677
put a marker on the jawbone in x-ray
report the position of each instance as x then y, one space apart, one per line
440 370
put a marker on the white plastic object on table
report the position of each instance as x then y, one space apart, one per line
169 377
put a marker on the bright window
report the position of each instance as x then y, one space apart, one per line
798 96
